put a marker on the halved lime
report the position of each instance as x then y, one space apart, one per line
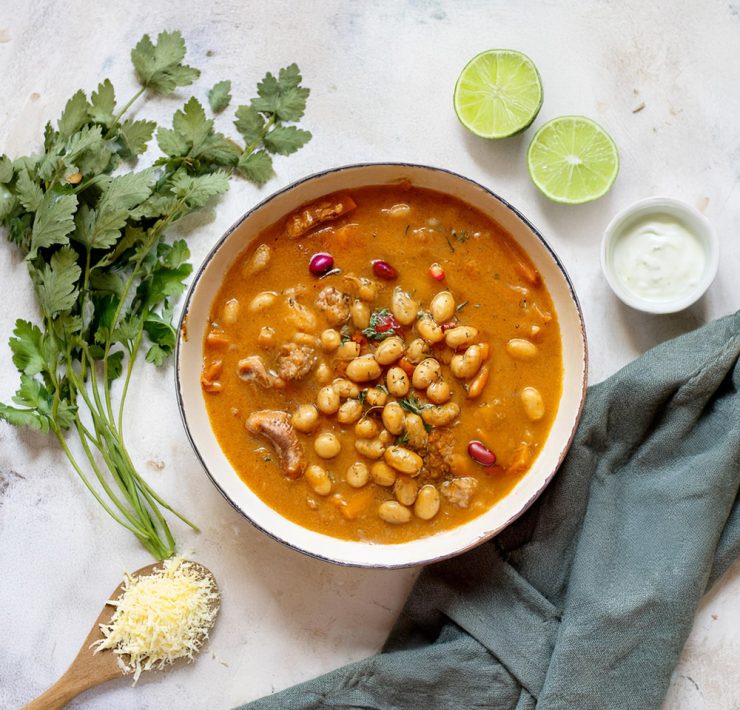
572 159
498 93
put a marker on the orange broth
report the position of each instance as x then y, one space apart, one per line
496 290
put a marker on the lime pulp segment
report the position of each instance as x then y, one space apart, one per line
498 93
572 159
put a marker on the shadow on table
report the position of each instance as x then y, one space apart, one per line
647 330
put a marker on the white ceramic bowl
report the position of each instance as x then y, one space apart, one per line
442 545
685 214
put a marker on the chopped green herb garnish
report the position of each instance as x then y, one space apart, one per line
92 232
402 439
461 306
382 325
449 244
412 404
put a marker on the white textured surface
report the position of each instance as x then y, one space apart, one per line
381 76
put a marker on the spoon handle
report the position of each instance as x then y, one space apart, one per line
69 686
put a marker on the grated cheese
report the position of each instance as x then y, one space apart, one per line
161 617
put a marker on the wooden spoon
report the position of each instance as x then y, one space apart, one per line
90 669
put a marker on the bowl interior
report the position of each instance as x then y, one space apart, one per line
445 544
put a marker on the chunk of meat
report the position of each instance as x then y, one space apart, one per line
209 376
334 304
252 369
318 212
295 361
438 459
459 491
276 427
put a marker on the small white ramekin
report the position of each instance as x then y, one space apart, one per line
694 221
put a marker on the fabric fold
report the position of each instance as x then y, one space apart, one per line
587 599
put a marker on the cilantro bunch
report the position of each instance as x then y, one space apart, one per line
92 231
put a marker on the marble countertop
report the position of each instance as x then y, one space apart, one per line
663 82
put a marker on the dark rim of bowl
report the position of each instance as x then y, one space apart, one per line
356 166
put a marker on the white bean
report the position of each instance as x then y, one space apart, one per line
466 365
521 349
393 418
330 340
360 312
326 445
327 400
427 502
534 405
397 382
417 351
403 307
442 307
389 350
267 337
370 448
376 397
429 330
439 392
462 335
349 412
426 372
363 369
405 490
440 416
230 312
262 301
259 261
366 428
318 479
416 433
382 474
403 460
358 474
345 389
323 373
348 351
305 418
393 512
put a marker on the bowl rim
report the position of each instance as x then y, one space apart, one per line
182 327
698 224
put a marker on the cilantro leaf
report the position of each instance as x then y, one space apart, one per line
74 115
412 404
283 95
197 190
134 137
57 282
53 221
219 96
26 345
249 123
286 139
219 151
257 167
24 417
171 142
6 169
29 193
191 123
115 365
159 66
103 103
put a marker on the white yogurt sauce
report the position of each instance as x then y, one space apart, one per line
658 258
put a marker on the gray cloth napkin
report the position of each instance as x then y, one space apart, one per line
586 600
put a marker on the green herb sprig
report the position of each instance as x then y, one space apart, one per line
104 277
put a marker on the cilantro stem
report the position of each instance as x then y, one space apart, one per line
126 107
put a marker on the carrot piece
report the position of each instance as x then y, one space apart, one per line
527 272
407 366
479 382
217 340
485 351
209 374
357 503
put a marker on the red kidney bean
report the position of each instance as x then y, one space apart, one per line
321 263
437 272
481 454
383 270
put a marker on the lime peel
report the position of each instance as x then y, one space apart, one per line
498 93
573 160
